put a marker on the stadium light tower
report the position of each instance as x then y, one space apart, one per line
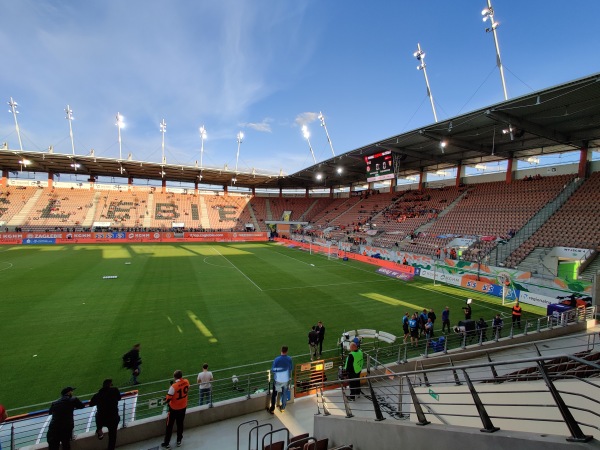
120 124
240 139
202 137
69 117
306 135
13 109
322 119
163 130
420 55
488 13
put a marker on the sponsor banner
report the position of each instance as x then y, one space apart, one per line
39 241
395 274
537 299
123 237
489 288
454 280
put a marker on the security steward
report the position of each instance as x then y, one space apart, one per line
354 365
516 315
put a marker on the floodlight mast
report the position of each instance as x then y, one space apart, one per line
202 137
13 108
69 117
322 119
119 124
163 130
306 135
489 13
420 55
240 139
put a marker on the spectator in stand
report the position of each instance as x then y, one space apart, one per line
204 381
177 397
446 319
516 315
321 331
107 401
497 325
282 373
61 425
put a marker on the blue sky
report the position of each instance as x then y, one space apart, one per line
265 67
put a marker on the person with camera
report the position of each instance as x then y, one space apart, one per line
497 325
132 361
467 310
354 366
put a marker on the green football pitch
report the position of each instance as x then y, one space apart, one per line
63 323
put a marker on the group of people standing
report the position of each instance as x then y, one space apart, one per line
316 336
422 325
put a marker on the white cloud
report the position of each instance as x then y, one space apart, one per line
264 126
305 118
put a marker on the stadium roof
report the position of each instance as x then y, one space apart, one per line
554 120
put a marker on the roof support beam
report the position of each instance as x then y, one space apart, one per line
528 126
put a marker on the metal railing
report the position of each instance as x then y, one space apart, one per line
148 401
483 395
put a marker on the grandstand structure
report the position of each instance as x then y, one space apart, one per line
500 219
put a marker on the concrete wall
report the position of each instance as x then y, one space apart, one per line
391 434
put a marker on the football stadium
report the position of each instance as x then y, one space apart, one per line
471 293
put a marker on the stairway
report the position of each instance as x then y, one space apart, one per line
89 217
21 216
149 211
204 220
592 269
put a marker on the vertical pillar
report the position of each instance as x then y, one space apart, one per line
421 174
225 190
459 173
253 191
509 169
280 192
196 187
164 186
583 157
306 193
5 178
50 180
130 181
331 191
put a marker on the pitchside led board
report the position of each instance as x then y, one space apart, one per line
380 166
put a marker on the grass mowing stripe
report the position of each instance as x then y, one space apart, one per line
392 301
236 268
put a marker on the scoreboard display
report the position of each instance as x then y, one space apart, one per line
380 166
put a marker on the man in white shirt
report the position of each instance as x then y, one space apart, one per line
204 380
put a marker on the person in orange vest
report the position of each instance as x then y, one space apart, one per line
177 397
516 315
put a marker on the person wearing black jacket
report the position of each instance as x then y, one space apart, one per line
321 331
61 426
132 361
107 415
313 342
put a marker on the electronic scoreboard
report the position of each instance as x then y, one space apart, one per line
380 166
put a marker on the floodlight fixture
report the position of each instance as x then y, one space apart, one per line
339 170
420 55
120 124
480 166
306 135
24 162
69 117
322 119
488 13
240 139
163 130
13 109
202 137
443 145
319 176
75 165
